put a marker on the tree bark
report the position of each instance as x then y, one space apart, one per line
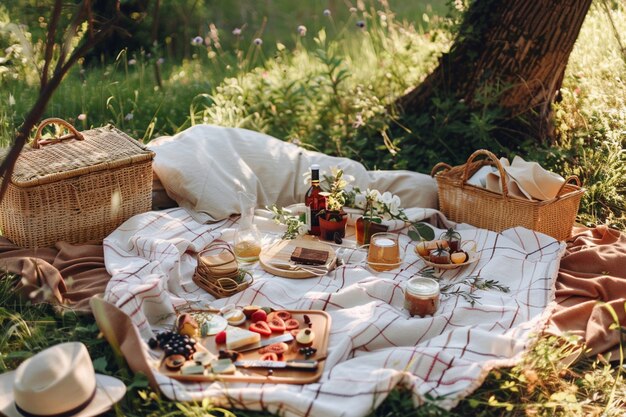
518 48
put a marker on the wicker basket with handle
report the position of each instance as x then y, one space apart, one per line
218 271
75 188
466 203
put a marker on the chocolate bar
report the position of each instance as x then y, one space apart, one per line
308 256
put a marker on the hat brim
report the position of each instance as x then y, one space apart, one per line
109 390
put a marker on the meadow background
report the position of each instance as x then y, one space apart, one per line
324 75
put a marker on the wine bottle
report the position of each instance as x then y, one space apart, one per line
314 201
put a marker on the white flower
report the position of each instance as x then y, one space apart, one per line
197 41
327 12
394 205
386 198
373 195
360 201
307 178
11 100
82 117
132 61
237 31
258 41
160 61
301 30
129 117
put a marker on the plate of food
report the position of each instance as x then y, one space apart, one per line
439 255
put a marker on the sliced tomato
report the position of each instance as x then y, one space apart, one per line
277 348
261 327
291 324
277 325
220 337
270 356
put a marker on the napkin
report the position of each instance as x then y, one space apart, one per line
526 180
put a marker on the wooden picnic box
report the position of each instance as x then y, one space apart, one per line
465 203
75 188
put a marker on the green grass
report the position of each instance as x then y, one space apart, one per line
330 91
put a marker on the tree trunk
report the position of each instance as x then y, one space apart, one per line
518 48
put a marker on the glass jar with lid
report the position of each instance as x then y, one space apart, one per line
421 296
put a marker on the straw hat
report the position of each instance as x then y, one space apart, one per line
58 381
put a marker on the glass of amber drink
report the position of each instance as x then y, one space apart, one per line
384 252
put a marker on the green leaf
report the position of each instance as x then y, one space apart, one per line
413 234
100 364
423 231
20 354
140 380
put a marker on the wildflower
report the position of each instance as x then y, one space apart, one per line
82 117
358 122
258 41
352 9
302 30
132 61
160 61
360 24
129 117
197 41
11 100
326 12
237 31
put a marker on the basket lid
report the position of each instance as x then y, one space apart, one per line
103 148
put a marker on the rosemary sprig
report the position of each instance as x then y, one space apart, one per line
474 283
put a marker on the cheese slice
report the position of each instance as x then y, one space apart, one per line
236 337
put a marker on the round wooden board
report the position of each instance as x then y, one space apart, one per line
280 253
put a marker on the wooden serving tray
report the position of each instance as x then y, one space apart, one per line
320 325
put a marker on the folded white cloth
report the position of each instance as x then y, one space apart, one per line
526 180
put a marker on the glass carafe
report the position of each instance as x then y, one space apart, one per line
247 237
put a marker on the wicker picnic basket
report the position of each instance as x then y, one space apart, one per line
77 189
466 203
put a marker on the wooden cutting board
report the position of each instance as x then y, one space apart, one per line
275 259
320 323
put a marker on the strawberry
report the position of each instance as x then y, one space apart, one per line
291 324
277 325
220 338
261 327
258 315
270 356
277 348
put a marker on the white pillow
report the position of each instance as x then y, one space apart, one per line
204 167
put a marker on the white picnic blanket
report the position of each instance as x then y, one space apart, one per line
374 344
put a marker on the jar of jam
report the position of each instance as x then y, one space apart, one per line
421 296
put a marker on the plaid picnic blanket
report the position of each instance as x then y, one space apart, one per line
374 344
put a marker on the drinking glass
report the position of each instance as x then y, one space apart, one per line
384 252
247 237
